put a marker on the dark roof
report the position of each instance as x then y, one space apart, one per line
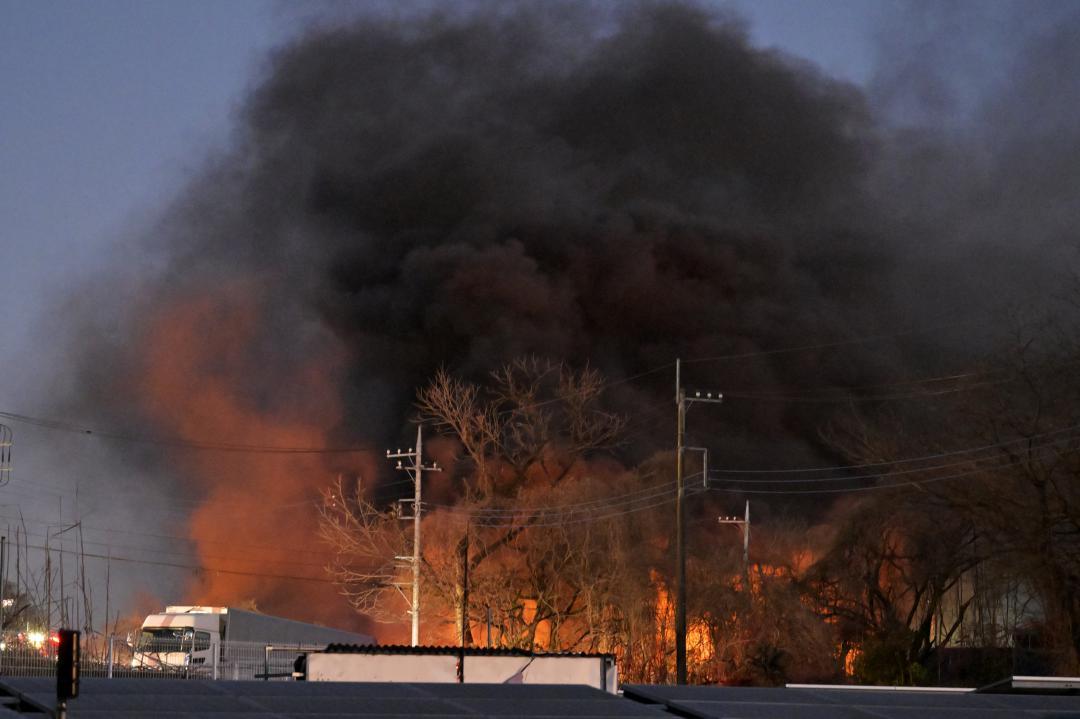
191 699
849 703
455 651
199 699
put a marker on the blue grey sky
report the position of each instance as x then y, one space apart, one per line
104 108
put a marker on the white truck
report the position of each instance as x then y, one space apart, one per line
225 642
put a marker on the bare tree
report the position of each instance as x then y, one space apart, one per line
365 541
526 445
892 564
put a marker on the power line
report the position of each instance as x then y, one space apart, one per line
826 345
940 455
168 502
871 398
573 507
601 509
592 518
189 555
193 568
181 442
868 488
110 530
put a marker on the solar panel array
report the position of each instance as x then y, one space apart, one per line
826 703
179 699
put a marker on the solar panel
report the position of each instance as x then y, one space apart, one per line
760 710
847 703
316 705
516 691
180 699
510 707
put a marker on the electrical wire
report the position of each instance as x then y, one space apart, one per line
180 442
169 537
607 510
596 517
883 475
851 399
184 555
191 567
1073 429
866 339
571 507
868 488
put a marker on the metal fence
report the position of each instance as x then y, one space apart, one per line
117 657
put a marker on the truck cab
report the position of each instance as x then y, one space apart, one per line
183 636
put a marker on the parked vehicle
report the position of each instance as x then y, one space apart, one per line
228 642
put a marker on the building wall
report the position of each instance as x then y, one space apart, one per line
591 671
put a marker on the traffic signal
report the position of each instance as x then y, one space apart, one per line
67 665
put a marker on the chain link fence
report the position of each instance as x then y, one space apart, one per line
118 657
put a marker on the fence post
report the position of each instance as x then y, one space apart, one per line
266 662
217 658
110 656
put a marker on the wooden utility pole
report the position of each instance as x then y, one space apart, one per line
680 533
464 604
682 402
745 524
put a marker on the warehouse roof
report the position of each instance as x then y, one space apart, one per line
454 651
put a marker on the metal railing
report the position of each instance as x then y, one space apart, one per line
117 657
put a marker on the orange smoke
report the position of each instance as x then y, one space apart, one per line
203 377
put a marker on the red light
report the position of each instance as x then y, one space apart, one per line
54 638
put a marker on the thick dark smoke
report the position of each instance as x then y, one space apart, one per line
975 180
617 187
614 188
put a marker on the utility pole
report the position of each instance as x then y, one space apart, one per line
417 468
745 523
682 402
464 603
